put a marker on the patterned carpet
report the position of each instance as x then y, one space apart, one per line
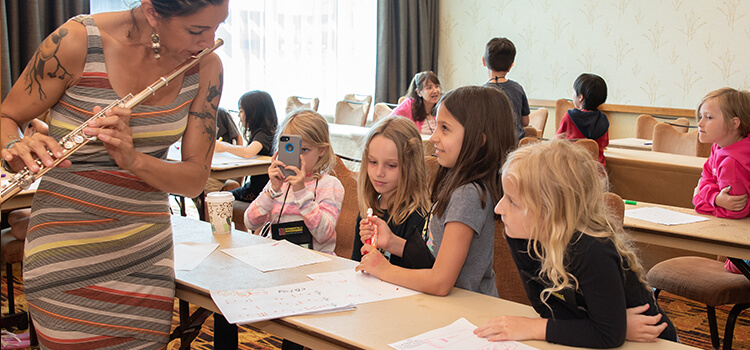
689 318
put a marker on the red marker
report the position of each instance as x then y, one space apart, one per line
373 241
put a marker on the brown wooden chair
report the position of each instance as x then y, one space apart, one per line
380 111
707 282
616 205
538 119
295 102
590 145
644 128
507 280
527 141
12 252
669 140
561 106
531 131
347 222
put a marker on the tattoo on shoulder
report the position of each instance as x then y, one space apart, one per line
208 115
47 52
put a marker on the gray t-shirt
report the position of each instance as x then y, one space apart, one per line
465 206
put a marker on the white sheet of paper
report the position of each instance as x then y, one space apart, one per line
275 255
255 305
363 288
188 255
458 335
662 216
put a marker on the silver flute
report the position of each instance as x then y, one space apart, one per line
74 140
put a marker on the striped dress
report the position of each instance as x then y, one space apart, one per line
98 269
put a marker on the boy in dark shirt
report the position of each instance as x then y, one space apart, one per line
499 55
586 120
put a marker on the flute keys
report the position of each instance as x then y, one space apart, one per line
68 144
78 139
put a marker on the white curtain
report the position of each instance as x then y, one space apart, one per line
321 48
307 48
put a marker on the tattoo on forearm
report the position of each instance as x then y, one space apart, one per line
208 115
47 52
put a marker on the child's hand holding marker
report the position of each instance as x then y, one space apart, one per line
373 240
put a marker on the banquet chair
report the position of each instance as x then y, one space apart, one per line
347 222
366 99
668 140
527 141
12 252
590 145
538 119
707 282
351 113
531 131
644 128
561 106
380 111
293 102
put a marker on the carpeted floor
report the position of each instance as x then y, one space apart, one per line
689 318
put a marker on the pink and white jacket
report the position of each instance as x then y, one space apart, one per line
728 166
318 205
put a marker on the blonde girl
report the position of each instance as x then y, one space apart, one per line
310 195
724 120
393 182
474 132
578 271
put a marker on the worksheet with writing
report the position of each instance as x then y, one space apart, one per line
254 305
361 287
458 335
275 255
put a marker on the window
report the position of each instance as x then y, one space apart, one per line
319 48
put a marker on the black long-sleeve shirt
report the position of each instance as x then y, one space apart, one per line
594 315
413 223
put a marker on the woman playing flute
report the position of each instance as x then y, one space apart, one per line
98 267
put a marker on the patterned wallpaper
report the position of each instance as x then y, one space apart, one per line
662 53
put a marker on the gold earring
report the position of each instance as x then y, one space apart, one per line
156 44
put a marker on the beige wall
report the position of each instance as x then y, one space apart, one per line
663 53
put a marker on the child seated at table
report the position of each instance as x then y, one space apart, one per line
578 271
310 195
393 183
474 132
586 120
724 120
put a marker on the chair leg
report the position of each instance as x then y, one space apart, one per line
656 293
712 327
731 319
9 283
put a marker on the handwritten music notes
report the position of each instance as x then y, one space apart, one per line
275 255
255 305
362 288
189 255
456 336
662 216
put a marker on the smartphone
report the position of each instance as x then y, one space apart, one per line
290 148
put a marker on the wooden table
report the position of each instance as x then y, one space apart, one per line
369 326
631 143
653 177
225 165
717 236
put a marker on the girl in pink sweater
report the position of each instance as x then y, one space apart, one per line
310 195
724 120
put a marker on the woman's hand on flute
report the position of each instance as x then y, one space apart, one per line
24 152
114 131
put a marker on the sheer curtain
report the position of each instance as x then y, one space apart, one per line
307 48
321 48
